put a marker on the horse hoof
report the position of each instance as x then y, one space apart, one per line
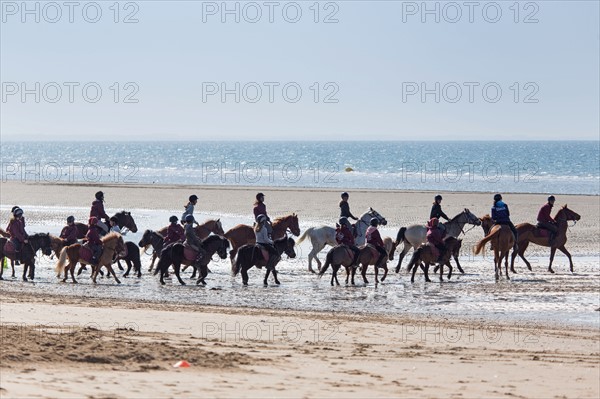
277 282
245 283
125 275
139 275
1 278
118 281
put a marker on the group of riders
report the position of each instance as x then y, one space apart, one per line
99 224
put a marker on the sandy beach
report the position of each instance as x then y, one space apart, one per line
61 340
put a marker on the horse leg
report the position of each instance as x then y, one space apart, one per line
450 269
313 255
119 265
265 282
129 266
2 257
335 270
347 275
385 272
376 274
497 264
457 265
32 271
353 271
245 274
25 266
506 265
564 251
111 271
363 272
414 271
154 256
426 270
72 270
405 249
441 267
552 253
177 268
521 252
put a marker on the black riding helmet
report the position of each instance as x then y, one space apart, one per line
71 219
374 222
14 208
100 195
438 197
345 194
497 197
551 198
173 219
193 198
259 195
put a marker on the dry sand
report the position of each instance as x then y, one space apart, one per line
80 347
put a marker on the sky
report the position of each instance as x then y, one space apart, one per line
304 70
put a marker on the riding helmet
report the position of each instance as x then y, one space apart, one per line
551 198
345 194
99 195
189 219
259 195
71 219
497 197
173 219
374 222
438 197
14 208
343 220
93 221
193 198
18 212
114 219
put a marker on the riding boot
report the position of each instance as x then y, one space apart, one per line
17 258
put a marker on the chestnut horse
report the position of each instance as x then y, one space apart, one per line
35 242
529 233
111 243
502 240
425 256
243 234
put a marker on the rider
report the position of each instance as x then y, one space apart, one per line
344 236
189 208
436 212
93 239
545 221
114 224
191 238
70 232
259 207
345 207
501 215
263 233
16 229
175 232
98 212
435 237
374 238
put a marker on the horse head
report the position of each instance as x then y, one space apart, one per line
374 214
471 218
218 228
486 223
222 250
146 239
293 224
567 214
126 220
289 248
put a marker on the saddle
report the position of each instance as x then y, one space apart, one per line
9 248
264 252
541 231
435 250
374 251
189 253
85 254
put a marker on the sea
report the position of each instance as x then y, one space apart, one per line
558 167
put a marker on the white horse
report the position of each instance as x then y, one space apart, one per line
415 235
325 235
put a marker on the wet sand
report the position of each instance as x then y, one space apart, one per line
535 336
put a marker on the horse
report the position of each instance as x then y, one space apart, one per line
529 233
502 240
425 255
202 230
111 243
415 235
340 255
132 259
35 242
177 254
325 235
153 239
243 234
124 220
251 255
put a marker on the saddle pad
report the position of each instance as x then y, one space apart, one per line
85 254
374 251
539 232
189 253
434 250
9 248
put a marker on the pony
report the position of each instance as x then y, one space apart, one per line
502 240
35 243
250 255
424 256
325 235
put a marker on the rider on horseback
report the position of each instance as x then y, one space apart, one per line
374 238
259 207
435 237
545 221
93 239
189 208
501 215
263 231
98 212
114 224
191 238
345 237
16 229
69 232
175 232
345 207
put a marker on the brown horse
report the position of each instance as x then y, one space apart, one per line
35 242
202 230
425 256
368 256
243 234
111 243
502 240
340 255
528 233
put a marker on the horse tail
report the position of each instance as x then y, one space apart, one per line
62 261
304 235
237 265
164 261
414 259
400 236
481 244
328 261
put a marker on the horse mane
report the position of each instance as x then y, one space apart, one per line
486 217
282 218
211 238
113 235
38 235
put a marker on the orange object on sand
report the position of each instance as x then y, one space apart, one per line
181 363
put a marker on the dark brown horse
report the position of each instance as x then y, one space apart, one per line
35 243
243 234
529 233
502 240
69 257
425 256
250 255
124 220
175 255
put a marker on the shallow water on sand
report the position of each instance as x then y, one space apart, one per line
530 296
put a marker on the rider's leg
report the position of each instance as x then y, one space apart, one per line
382 254
356 251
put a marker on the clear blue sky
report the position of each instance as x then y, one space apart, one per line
369 55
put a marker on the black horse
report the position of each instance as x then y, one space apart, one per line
36 242
174 255
155 240
250 255
132 259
